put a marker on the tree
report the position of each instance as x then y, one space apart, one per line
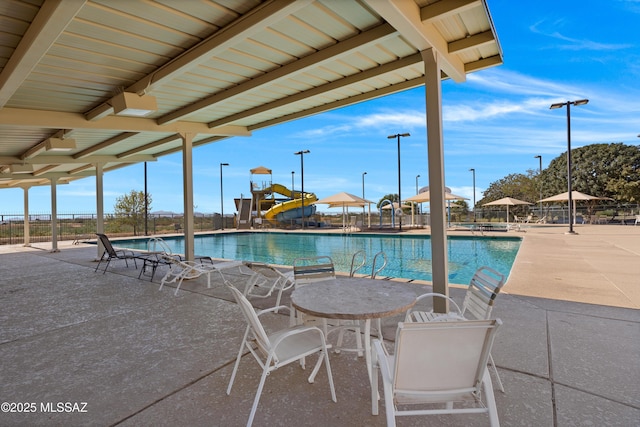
517 185
392 197
130 208
604 170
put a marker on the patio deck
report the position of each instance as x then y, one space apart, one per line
567 353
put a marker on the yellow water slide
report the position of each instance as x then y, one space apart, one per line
289 205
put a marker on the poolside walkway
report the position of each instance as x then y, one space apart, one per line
567 353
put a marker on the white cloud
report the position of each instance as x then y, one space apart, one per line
574 43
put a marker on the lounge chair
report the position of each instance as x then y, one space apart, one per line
110 253
265 280
181 270
438 363
157 249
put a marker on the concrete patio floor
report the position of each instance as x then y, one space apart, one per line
567 353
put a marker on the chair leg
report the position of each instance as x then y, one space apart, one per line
237 364
329 375
490 400
495 370
263 378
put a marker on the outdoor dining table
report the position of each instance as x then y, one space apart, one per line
355 299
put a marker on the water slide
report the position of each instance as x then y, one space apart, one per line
291 209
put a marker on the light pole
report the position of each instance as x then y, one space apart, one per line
222 198
293 173
473 171
398 135
568 104
417 176
146 202
301 153
363 210
540 178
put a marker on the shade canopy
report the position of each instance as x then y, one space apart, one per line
261 170
507 201
344 199
575 195
426 196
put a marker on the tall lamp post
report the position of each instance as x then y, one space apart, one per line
568 104
540 178
473 171
398 136
146 202
417 176
363 210
301 153
222 198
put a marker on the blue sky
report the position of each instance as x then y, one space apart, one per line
495 122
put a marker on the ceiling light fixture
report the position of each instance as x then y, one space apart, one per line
132 104
59 144
21 168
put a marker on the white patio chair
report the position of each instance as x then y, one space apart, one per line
313 269
278 349
478 304
436 365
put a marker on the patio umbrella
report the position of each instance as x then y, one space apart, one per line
575 195
425 197
507 201
345 200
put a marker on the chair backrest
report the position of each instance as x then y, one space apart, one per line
108 247
376 267
453 365
482 292
255 326
313 269
358 260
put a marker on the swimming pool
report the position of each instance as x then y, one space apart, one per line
409 256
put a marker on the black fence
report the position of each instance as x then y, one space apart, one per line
83 226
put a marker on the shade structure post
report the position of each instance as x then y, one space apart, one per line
435 158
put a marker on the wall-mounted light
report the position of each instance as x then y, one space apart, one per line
59 144
132 104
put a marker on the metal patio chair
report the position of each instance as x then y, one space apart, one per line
278 349
437 364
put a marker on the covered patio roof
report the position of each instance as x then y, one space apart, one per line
88 86
217 69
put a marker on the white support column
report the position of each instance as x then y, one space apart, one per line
187 182
54 215
99 206
435 155
27 238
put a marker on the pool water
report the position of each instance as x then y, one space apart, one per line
409 256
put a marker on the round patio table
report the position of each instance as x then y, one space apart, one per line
355 299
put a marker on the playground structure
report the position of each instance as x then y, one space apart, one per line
273 202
